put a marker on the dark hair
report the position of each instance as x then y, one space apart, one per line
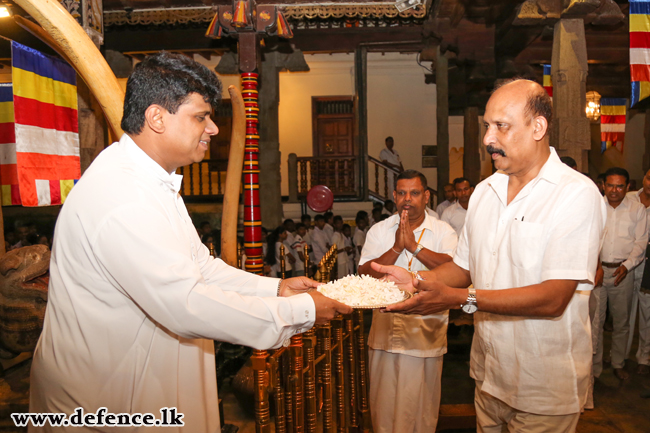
359 218
387 202
338 218
384 216
412 174
362 214
271 240
389 138
301 226
461 180
377 205
305 217
165 79
346 226
601 176
618 171
538 104
328 215
319 217
204 223
569 161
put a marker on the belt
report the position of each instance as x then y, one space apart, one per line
611 265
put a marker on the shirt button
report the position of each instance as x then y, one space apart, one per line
487 285
306 313
494 253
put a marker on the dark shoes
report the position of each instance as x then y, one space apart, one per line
642 370
621 374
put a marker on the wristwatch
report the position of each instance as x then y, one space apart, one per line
417 250
470 306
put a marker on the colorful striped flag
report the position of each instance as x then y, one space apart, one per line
639 50
612 123
47 134
547 83
8 173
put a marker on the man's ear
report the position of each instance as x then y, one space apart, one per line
153 118
540 127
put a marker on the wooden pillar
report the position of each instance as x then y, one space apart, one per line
361 114
471 156
92 126
570 131
270 157
442 118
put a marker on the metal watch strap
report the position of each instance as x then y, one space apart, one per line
419 248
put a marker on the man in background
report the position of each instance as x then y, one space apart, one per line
455 214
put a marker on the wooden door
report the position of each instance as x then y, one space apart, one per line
335 153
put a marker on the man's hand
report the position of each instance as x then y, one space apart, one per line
598 281
297 285
327 308
407 234
620 274
400 276
433 297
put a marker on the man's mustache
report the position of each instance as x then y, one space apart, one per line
492 150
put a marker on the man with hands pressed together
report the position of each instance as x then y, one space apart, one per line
530 248
405 356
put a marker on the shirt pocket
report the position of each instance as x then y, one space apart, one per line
526 244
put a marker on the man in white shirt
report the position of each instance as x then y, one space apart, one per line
329 227
454 215
641 297
359 238
626 238
530 248
135 299
298 248
342 249
405 356
391 158
450 198
319 239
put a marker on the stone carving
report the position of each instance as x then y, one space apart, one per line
23 298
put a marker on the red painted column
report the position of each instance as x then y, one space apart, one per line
252 215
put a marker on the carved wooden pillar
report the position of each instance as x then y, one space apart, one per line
570 131
442 117
270 177
471 156
361 107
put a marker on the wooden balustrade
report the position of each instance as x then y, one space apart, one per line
205 179
319 381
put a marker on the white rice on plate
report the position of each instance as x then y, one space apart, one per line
362 291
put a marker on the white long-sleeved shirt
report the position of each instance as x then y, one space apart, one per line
135 300
319 241
626 233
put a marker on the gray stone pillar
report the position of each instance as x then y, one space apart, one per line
471 156
442 118
570 132
270 176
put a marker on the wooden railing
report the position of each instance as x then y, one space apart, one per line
340 174
379 174
205 179
319 382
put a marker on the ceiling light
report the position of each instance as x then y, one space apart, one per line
4 12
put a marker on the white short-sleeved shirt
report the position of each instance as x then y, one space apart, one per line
419 336
551 230
455 215
440 209
338 239
390 156
626 233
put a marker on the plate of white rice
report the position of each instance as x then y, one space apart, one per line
364 292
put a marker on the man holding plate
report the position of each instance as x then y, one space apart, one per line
530 247
406 351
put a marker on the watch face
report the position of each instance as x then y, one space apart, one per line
470 308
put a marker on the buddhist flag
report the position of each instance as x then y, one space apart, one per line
612 123
639 50
8 173
47 137
546 81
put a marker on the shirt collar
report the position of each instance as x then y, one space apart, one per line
150 166
625 203
551 171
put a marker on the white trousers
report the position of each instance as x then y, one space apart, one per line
620 303
404 392
640 306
